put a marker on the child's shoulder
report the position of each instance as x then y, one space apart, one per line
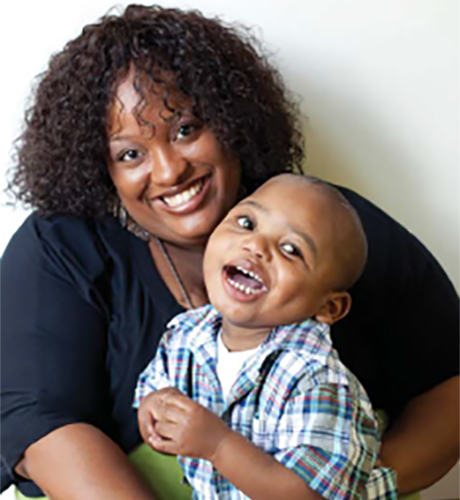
185 326
324 372
307 351
188 320
317 367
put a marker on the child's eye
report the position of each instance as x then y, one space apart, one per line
291 249
245 222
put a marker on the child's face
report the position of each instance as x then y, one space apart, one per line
271 260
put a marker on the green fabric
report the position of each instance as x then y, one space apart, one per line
412 496
162 473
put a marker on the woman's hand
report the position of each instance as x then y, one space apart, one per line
172 423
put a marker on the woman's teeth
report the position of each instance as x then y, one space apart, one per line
185 196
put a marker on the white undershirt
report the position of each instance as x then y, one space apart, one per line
229 364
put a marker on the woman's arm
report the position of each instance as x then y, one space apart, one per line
79 461
401 339
55 378
423 444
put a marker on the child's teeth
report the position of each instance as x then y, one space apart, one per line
247 290
251 274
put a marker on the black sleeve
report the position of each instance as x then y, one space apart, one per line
6 476
54 330
402 335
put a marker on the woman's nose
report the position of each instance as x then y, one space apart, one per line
168 167
258 245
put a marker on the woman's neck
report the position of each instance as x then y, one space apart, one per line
188 264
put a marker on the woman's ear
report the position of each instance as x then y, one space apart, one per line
336 307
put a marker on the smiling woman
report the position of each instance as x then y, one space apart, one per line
155 122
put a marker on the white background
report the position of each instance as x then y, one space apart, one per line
379 81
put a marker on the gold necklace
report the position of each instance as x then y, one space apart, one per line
174 272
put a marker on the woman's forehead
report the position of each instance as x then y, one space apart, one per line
147 99
158 88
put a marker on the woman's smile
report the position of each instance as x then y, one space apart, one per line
185 195
185 198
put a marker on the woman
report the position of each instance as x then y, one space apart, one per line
145 130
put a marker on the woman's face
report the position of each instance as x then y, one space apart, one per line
170 172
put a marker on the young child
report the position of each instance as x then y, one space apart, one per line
249 391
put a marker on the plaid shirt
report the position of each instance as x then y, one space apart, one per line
293 398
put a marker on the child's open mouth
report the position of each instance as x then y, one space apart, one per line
244 280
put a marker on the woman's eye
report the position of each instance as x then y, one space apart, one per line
245 223
185 130
291 249
129 155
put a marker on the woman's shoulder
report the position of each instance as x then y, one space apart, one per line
69 231
402 297
399 266
70 246
391 245
63 229
374 219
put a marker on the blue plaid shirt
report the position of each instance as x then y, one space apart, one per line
293 398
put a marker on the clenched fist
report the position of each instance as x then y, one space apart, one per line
173 423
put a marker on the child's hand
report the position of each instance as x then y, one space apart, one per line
172 423
146 417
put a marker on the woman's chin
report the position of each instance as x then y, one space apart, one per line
196 232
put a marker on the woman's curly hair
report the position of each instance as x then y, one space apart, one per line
61 157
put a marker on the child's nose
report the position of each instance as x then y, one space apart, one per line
258 245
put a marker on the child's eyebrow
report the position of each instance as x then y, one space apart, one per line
306 237
255 204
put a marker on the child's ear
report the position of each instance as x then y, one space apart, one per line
336 307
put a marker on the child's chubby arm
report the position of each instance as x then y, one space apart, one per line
173 423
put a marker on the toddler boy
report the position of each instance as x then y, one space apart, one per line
248 391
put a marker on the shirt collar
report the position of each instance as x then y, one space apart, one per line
305 335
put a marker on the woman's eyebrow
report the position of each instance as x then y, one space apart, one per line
115 138
121 137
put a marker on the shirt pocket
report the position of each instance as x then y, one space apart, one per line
265 424
260 435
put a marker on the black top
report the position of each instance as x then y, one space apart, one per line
83 308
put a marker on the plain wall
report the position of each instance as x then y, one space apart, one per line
379 82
